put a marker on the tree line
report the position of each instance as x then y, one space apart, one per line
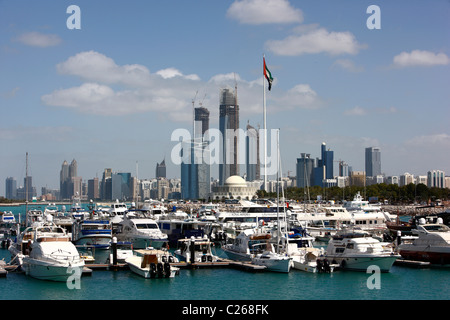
393 193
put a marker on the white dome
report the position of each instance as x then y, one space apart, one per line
235 181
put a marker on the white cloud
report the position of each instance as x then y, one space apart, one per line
114 90
356 111
440 139
37 39
257 12
316 41
420 58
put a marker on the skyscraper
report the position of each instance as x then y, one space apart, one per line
324 169
11 188
161 169
373 162
305 166
201 122
252 154
64 180
228 126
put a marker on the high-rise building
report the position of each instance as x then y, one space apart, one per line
373 162
305 170
324 168
195 170
436 179
11 188
228 126
252 154
161 169
93 189
64 180
201 122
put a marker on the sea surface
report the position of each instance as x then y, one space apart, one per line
401 283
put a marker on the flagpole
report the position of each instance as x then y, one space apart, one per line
265 132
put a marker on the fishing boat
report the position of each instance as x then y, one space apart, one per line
142 232
52 256
92 233
195 250
431 244
153 264
354 249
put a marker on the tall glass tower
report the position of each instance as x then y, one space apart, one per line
373 162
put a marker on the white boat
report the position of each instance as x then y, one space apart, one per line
207 212
254 245
195 250
356 250
8 218
153 264
431 244
142 232
92 233
52 256
117 212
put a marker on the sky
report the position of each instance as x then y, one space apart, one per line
110 93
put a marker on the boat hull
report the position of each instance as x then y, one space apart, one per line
144 242
275 265
236 256
435 256
95 241
135 266
46 271
362 263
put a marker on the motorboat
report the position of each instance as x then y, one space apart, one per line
117 212
431 244
355 249
92 233
194 250
8 217
254 245
52 256
207 212
153 264
305 256
142 232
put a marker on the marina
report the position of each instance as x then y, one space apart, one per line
213 267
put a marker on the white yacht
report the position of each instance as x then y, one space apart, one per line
52 256
153 264
356 250
254 245
92 233
142 232
431 244
207 212
195 250
8 217
117 212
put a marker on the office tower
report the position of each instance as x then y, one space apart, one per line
201 122
305 166
64 180
228 126
11 188
93 189
195 170
373 162
252 154
27 191
73 169
161 169
324 169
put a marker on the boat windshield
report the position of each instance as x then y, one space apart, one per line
436 228
146 226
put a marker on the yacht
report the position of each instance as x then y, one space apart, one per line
142 232
195 250
8 218
207 212
431 244
52 256
357 250
92 233
153 264
254 245
117 212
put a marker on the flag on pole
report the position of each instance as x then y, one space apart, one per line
267 74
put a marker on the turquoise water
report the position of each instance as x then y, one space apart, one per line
401 283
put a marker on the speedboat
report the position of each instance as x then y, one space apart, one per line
142 232
195 250
356 250
52 256
153 264
431 244
92 233
254 245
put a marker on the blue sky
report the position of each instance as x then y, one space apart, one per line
111 93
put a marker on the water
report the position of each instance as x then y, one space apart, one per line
401 283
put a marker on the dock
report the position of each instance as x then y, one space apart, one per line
242 265
412 263
3 271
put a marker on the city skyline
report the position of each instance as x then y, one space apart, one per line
111 93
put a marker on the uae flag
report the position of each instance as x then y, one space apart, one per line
267 74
